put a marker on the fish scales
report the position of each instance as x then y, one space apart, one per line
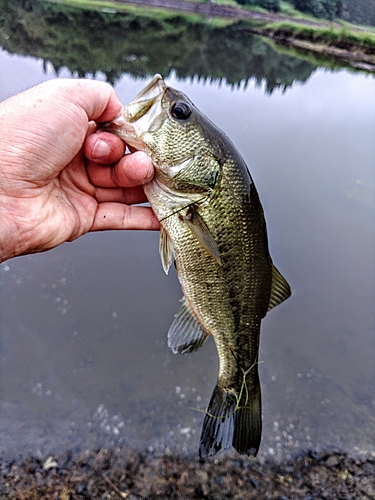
214 230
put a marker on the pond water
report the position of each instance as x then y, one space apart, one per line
84 360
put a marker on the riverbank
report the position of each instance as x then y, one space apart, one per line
356 50
116 473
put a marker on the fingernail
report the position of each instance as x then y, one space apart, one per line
101 149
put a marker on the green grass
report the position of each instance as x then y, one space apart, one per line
158 12
117 7
360 27
314 58
332 35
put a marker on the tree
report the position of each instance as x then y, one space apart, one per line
359 11
329 9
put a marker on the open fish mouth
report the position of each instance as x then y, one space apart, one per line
143 114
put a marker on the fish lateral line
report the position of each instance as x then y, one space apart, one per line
237 356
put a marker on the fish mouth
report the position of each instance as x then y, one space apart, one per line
142 115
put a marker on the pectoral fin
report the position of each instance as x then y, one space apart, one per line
185 334
166 250
280 290
200 230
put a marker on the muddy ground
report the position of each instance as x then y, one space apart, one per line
118 473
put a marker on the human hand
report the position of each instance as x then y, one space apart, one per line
59 179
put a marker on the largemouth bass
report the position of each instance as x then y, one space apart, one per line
213 229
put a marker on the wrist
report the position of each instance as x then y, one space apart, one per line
7 247
10 240
5 241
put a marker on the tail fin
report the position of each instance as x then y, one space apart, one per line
227 424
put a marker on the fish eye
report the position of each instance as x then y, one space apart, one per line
181 110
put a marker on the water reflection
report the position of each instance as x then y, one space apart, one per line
144 44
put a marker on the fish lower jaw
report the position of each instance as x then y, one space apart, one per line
128 135
125 130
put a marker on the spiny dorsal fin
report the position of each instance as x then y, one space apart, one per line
200 230
166 250
185 334
280 289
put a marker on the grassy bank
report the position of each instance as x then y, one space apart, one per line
114 6
333 35
352 46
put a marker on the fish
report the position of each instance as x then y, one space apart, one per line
213 229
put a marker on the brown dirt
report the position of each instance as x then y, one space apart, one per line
111 474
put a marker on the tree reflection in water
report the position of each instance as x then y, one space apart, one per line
87 42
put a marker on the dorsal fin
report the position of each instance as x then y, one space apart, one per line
280 289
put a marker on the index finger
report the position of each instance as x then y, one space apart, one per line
98 99
132 170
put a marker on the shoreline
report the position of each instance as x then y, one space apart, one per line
350 54
120 473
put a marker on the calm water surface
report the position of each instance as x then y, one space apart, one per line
84 360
